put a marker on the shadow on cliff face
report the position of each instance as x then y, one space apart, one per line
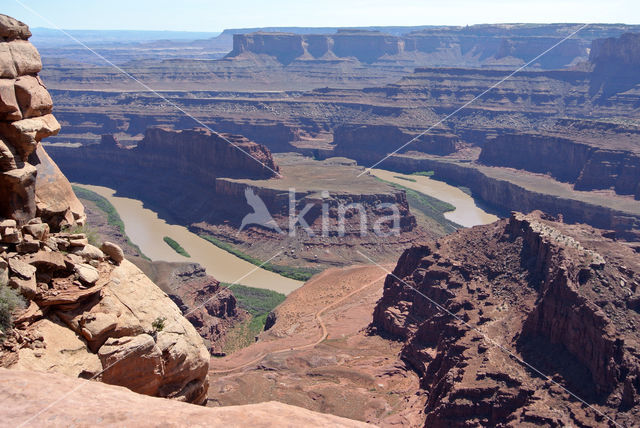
564 368
611 79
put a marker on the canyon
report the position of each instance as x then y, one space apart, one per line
582 118
146 230
520 307
208 193
524 321
481 323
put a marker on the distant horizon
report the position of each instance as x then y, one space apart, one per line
319 27
204 16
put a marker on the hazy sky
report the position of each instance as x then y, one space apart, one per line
214 15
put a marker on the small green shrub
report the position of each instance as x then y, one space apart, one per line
158 324
90 233
10 300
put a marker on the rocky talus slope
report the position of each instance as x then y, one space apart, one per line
82 403
563 298
88 313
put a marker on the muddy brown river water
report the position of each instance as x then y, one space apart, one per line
147 230
467 212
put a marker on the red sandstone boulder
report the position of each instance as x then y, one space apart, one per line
55 201
33 97
27 133
9 108
17 193
9 159
7 67
25 57
11 28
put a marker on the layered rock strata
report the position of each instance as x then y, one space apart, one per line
616 63
183 178
581 163
472 306
488 45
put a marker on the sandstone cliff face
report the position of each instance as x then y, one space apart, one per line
568 160
277 202
378 140
505 190
562 298
364 46
25 119
192 156
624 50
89 312
474 45
171 170
616 64
206 153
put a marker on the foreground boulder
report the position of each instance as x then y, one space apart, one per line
564 299
121 327
83 403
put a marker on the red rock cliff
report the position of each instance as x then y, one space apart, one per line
624 50
562 298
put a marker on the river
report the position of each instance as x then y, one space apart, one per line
467 212
147 230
